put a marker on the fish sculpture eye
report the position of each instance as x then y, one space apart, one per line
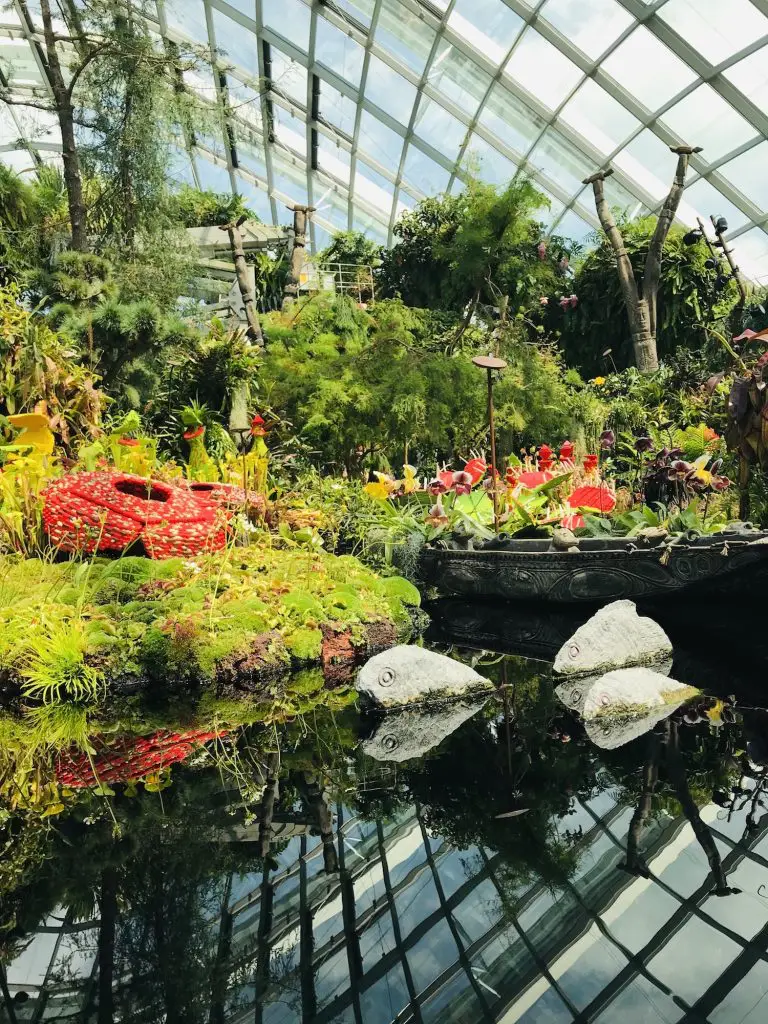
387 677
573 651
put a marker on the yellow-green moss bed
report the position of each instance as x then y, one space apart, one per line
71 630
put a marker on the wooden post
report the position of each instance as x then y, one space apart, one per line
301 215
253 330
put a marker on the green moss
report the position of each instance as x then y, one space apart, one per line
400 590
182 619
304 644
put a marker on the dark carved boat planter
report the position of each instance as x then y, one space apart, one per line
601 570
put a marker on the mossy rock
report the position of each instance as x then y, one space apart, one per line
305 644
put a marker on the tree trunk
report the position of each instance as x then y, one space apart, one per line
267 809
66 116
643 339
635 862
652 271
253 330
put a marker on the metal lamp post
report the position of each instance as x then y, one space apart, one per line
490 364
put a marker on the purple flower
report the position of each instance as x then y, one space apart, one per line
643 444
462 482
436 487
607 440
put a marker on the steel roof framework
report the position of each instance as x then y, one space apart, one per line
305 155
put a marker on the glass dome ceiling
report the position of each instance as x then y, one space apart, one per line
362 107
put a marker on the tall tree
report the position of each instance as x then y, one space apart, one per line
640 295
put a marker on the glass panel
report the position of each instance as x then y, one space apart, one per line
338 51
752 256
403 34
246 7
642 1002
561 161
458 77
212 176
599 117
251 157
510 119
541 69
333 158
371 226
715 29
575 227
188 17
290 129
649 162
548 1007
416 902
379 195
747 1002
488 25
331 978
389 90
439 128
244 105
547 217
361 10
336 108
376 939
482 160
747 173
478 912
289 77
291 18
235 43
256 199
703 118
751 76
647 69
289 176
592 25
18 63
382 1002
589 965
431 955
620 198
674 965
379 141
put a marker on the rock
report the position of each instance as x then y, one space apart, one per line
573 692
652 534
407 674
609 733
629 692
411 732
614 637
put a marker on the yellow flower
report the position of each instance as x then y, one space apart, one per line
410 483
34 431
599 381
382 488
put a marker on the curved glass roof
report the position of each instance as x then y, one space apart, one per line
362 107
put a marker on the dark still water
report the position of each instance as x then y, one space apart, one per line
516 869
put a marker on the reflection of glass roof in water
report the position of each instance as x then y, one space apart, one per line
377 103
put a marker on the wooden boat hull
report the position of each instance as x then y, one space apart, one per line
601 570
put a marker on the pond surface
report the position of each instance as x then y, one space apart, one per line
515 871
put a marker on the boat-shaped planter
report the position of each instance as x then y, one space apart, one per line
601 569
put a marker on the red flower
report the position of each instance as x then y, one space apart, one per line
512 476
195 432
446 478
477 469
545 457
598 498
566 451
258 426
590 463
128 442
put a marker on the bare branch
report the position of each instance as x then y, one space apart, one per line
614 236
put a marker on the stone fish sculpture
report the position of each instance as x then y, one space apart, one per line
411 732
406 674
610 733
613 638
631 692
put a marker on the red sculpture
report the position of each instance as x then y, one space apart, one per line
106 512
227 495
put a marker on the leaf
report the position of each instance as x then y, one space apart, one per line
514 814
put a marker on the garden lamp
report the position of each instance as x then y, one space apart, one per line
490 363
